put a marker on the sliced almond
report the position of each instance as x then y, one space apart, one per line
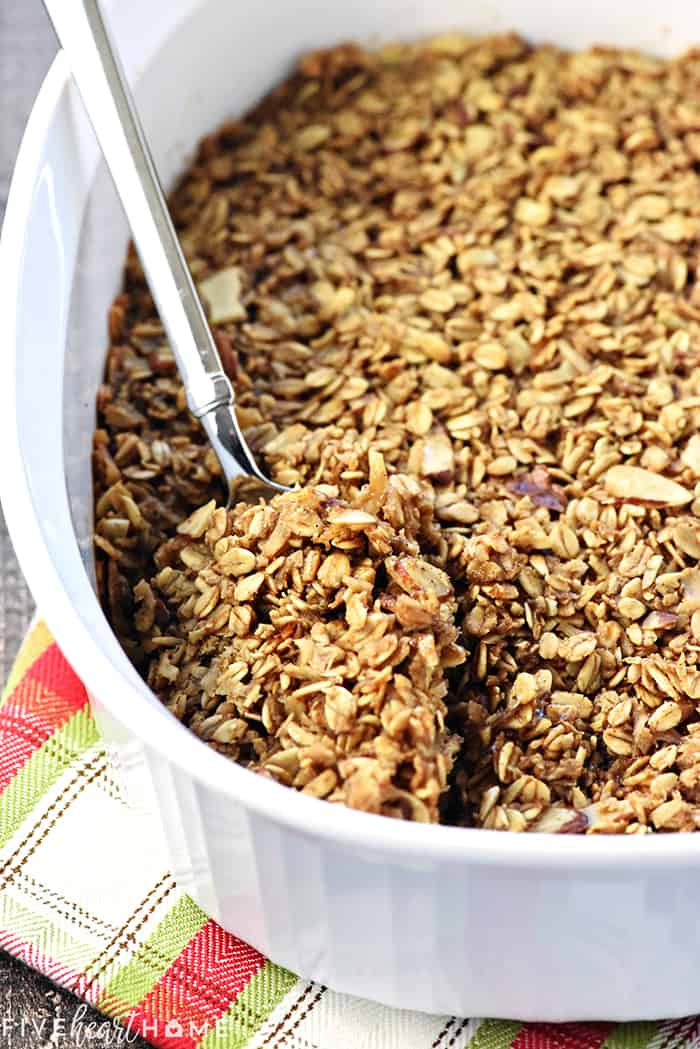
643 486
687 539
556 820
418 577
660 621
438 461
690 455
222 292
691 590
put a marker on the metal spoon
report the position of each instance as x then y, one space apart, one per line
100 79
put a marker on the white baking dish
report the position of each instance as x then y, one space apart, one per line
434 918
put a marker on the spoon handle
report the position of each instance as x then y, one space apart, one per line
100 79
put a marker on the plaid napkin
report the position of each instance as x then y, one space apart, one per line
86 898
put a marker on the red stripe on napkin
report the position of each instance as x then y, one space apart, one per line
562 1036
199 987
46 697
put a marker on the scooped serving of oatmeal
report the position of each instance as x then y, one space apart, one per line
454 285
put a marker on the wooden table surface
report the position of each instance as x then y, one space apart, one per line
34 1014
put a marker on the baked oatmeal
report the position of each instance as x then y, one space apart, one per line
454 285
